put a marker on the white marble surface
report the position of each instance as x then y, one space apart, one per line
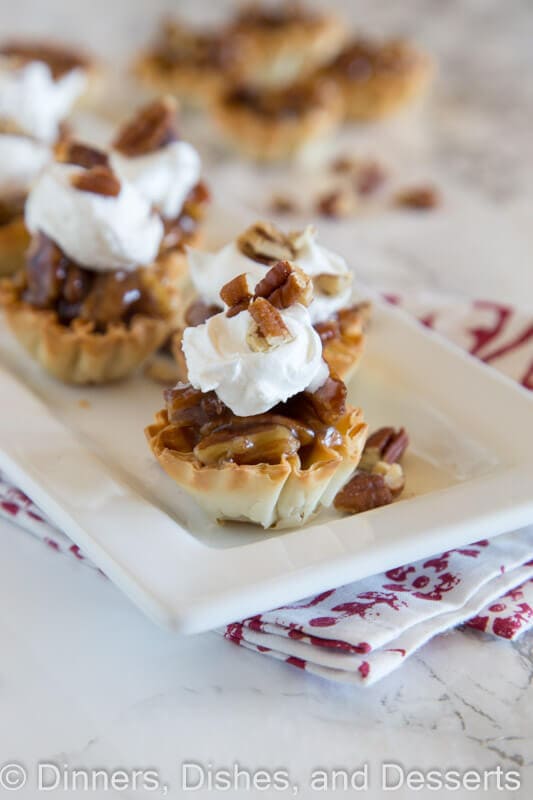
86 681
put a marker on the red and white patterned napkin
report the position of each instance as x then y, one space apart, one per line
363 631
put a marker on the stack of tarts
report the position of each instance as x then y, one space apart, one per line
339 323
262 430
279 76
39 84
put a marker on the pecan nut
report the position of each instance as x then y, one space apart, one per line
329 400
198 312
284 285
236 294
153 127
265 243
362 493
82 155
330 284
98 180
386 444
268 329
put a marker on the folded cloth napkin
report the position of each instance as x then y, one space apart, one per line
363 631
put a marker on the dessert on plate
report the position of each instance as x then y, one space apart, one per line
279 44
377 79
88 306
262 431
192 64
271 123
149 153
36 94
339 323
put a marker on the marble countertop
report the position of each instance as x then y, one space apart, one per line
86 681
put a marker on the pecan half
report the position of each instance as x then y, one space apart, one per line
82 155
362 493
265 243
331 285
198 312
269 329
236 294
98 180
153 127
251 444
386 444
284 285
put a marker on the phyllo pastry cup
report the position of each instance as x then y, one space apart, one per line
379 79
281 494
343 339
78 353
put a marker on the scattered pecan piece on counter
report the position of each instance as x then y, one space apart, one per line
236 294
269 329
81 155
284 284
281 204
362 493
98 180
335 204
385 444
420 198
369 177
265 243
153 127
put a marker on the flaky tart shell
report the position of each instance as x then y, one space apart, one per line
194 86
14 241
277 57
277 138
271 495
75 353
383 94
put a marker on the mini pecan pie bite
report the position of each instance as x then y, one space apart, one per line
281 43
378 79
88 307
149 153
269 124
191 64
38 86
339 323
262 431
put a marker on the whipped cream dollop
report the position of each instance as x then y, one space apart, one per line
249 382
21 161
34 101
99 232
210 271
165 177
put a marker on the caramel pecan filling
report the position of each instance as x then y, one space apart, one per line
277 103
11 209
60 59
179 231
54 282
201 424
363 58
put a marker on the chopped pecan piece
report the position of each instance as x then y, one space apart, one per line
187 406
82 155
392 475
327 330
247 444
284 285
386 444
331 285
98 180
263 242
281 204
343 165
329 401
269 329
420 198
362 493
369 177
153 127
236 294
198 312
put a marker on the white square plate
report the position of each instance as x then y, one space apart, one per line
80 453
